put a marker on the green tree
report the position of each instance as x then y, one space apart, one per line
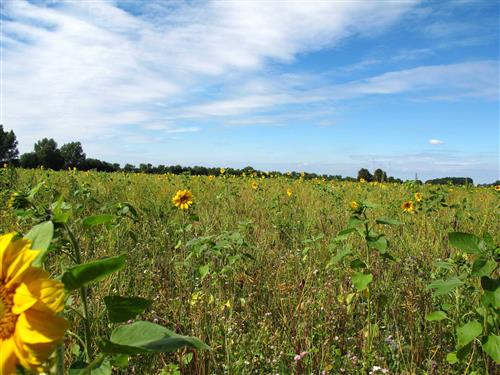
379 175
365 174
29 160
48 154
8 146
72 154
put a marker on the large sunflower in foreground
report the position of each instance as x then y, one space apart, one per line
29 302
183 199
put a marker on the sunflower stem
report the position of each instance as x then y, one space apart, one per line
60 359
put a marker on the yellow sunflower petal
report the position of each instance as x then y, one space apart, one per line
19 265
37 327
39 292
8 358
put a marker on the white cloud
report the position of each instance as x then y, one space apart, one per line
477 79
87 69
435 142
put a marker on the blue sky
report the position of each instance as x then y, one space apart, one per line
325 86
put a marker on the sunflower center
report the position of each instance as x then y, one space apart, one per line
7 318
184 199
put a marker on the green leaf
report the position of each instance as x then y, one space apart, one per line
357 263
491 294
41 236
204 270
388 221
467 333
84 274
483 267
91 221
492 347
354 223
120 361
465 241
379 243
435 316
442 287
61 211
368 204
361 280
341 254
344 234
451 358
121 309
146 337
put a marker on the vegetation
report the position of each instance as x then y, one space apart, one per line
276 274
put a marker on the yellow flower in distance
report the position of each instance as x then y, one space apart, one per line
289 192
183 199
419 197
497 187
354 205
407 206
362 180
29 302
255 185
222 171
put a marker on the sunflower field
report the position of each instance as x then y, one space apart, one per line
130 273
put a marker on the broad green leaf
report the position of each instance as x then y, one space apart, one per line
442 287
97 270
354 223
379 243
344 234
388 221
90 221
491 294
341 254
121 309
41 236
435 316
483 267
451 358
361 280
146 337
465 241
468 332
204 270
492 347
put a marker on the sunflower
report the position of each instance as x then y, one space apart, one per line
419 197
497 187
255 185
222 171
183 199
362 180
408 206
289 192
29 302
354 205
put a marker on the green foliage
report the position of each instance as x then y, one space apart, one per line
120 309
84 274
8 146
41 237
145 337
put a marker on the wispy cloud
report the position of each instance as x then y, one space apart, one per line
86 69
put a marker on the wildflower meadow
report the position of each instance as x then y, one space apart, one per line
132 273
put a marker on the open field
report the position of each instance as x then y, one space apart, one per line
256 269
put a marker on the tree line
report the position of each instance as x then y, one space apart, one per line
47 154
